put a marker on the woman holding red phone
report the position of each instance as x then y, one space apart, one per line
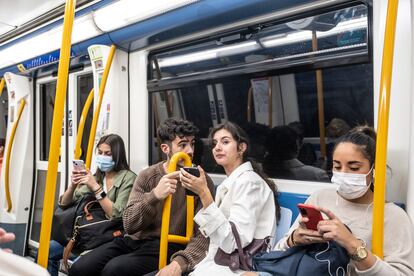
351 205
245 198
111 185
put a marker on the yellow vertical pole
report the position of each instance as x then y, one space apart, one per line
321 106
382 135
81 126
98 106
166 211
2 83
56 134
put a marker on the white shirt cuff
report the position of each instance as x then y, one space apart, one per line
209 219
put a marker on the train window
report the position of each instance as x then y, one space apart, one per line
47 104
290 148
85 84
38 205
278 81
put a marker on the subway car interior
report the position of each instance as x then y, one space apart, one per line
314 67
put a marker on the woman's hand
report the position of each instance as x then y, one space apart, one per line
89 180
333 229
303 236
76 178
197 185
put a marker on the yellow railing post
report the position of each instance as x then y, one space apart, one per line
54 151
98 106
8 154
165 237
382 136
2 83
81 127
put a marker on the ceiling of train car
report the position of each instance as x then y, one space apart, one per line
18 12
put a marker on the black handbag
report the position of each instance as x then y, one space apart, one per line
241 258
91 229
64 219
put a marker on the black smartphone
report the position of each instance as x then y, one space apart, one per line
193 171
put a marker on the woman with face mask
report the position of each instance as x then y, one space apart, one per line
111 185
350 206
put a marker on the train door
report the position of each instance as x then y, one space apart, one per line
17 170
79 86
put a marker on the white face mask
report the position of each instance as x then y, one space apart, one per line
351 185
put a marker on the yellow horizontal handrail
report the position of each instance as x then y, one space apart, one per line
8 154
166 212
81 127
55 136
98 106
382 135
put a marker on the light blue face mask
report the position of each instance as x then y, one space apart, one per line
105 163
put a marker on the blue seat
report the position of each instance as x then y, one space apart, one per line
284 224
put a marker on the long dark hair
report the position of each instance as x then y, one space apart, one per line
240 136
118 154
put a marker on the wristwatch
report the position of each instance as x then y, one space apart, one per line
360 252
100 196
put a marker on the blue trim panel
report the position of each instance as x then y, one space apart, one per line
290 200
192 18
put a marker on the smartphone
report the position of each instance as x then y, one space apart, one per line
193 171
312 214
78 165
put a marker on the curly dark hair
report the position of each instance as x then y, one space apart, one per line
173 127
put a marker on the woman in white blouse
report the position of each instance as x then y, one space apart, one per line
245 197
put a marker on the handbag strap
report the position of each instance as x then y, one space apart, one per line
66 253
238 243
86 209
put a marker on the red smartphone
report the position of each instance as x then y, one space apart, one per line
312 214
193 171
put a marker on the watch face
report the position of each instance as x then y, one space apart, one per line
362 253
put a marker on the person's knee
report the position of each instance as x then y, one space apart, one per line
80 267
113 268
55 250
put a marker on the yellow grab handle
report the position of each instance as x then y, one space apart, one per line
78 151
166 211
98 106
2 83
382 135
8 154
55 136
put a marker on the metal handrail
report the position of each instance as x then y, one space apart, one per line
165 237
81 127
382 135
98 106
55 136
8 154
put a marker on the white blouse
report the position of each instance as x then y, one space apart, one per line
245 199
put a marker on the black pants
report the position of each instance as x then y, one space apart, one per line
123 256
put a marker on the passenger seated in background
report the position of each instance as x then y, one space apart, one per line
282 162
137 253
351 205
306 152
11 264
257 134
112 176
245 197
